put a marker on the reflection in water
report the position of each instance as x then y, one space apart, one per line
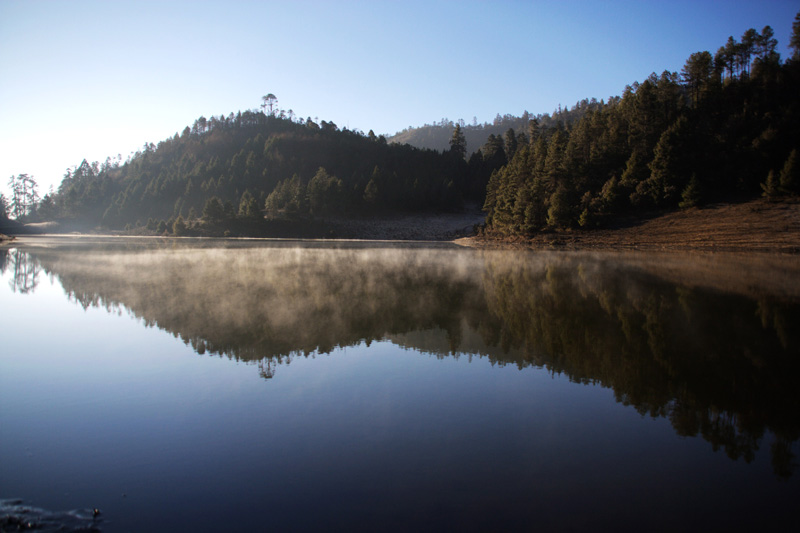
717 356
25 270
715 364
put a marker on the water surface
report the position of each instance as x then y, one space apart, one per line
242 385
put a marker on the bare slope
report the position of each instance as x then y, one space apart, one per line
758 225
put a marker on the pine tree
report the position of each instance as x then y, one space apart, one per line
510 142
771 186
3 208
248 206
213 211
586 219
371 192
790 174
560 212
794 40
179 227
458 143
691 194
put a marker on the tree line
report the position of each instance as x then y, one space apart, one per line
24 198
727 127
242 168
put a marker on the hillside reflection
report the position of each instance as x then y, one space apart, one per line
711 343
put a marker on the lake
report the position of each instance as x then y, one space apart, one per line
233 385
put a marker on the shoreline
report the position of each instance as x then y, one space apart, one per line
757 226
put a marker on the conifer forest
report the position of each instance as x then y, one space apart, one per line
724 128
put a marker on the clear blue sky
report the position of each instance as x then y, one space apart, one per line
91 79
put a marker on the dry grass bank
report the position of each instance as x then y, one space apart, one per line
755 226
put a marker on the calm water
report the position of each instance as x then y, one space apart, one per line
238 386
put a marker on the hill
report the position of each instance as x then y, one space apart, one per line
437 136
226 173
725 129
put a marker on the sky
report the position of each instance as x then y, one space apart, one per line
95 79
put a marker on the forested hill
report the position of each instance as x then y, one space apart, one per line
245 165
726 128
437 136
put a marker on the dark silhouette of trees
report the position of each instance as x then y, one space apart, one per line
790 174
725 129
458 143
794 40
214 210
24 195
697 74
248 207
179 227
717 131
254 163
3 207
270 102
325 193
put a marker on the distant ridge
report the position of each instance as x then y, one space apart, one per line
437 136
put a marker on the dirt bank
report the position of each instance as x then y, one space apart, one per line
755 226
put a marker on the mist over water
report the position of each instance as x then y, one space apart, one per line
707 346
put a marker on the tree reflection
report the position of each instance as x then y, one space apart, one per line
266 368
717 361
717 365
25 270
